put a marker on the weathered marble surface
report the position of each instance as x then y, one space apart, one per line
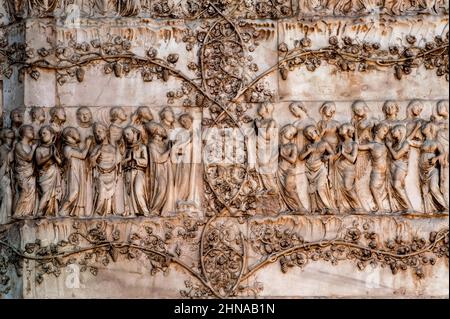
317 278
105 55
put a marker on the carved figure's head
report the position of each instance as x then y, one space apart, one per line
26 132
360 109
347 130
327 110
84 116
47 134
390 109
414 108
100 132
117 114
167 115
186 121
71 135
37 115
311 133
57 115
16 117
298 109
381 130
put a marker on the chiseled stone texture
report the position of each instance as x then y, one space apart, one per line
311 228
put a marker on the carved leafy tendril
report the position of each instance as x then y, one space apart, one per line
350 56
223 271
358 244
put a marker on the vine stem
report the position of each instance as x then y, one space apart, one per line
242 277
274 257
167 256
290 56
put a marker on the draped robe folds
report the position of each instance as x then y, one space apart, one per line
182 156
287 178
378 175
319 190
135 183
346 196
399 169
26 184
162 195
74 203
42 6
49 181
116 138
442 138
128 8
6 184
267 153
433 199
105 180
85 133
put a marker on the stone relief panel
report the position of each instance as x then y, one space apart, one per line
354 58
204 151
195 9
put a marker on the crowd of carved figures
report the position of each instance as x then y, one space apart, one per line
131 167
207 8
336 155
138 166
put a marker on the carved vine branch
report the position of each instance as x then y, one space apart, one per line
223 269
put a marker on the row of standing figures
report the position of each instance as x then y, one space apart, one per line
141 167
126 168
336 155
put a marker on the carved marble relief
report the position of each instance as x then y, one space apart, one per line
216 144
157 176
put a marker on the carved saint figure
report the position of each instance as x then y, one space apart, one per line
413 121
316 154
390 110
142 117
303 120
6 180
128 8
440 118
85 127
118 119
327 126
74 203
182 157
361 121
267 147
41 7
105 159
286 169
57 122
167 118
134 165
24 173
399 150
16 118
162 193
99 7
48 161
378 154
37 115
57 119
363 134
431 159
346 197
